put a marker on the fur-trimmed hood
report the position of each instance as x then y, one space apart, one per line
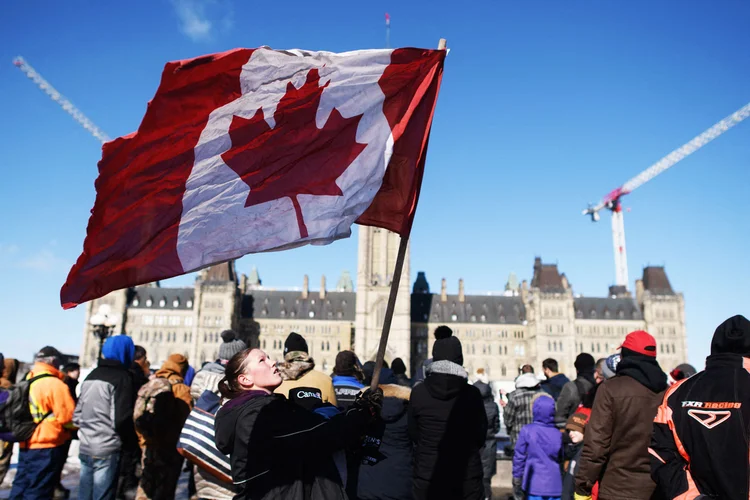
395 401
296 364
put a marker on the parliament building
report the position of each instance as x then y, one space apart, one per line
525 322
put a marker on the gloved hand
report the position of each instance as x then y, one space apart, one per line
582 497
371 401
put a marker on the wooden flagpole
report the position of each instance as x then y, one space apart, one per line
401 257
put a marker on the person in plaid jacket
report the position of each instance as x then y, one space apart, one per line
517 412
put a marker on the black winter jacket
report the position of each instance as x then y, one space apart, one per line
449 426
391 478
489 451
570 397
700 440
280 450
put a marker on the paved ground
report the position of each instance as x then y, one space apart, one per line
500 483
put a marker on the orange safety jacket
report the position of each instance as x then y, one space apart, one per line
51 407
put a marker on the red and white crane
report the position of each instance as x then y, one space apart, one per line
612 201
60 99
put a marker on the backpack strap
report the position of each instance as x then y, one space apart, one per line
37 377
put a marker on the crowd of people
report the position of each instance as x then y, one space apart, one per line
247 427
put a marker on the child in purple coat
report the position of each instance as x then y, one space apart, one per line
536 462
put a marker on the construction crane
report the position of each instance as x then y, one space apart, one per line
613 203
56 96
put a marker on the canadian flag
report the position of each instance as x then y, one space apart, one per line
256 150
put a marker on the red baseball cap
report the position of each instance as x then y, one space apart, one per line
640 342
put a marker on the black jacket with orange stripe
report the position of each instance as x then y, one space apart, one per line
700 440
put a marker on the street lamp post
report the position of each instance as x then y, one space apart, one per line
103 322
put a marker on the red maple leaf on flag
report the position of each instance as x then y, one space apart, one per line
295 157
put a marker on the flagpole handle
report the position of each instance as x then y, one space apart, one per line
401 257
442 44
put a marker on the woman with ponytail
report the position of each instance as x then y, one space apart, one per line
278 449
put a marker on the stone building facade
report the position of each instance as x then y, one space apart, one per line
525 323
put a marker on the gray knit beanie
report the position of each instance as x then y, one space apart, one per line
231 345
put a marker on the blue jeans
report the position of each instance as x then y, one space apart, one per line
98 477
37 473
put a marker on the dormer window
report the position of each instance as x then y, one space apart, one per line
311 314
136 302
454 317
592 314
483 317
176 303
162 302
149 302
579 314
189 303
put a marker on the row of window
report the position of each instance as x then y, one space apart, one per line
212 321
308 329
667 349
277 344
606 330
662 330
486 349
162 302
213 304
608 314
146 336
665 314
310 314
595 348
165 320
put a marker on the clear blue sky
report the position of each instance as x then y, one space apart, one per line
545 106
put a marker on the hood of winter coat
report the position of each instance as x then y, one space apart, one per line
395 402
171 371
181 361
213 368
527 381
445 380
296 364
119 348
558 380
645 370
543 409
10 370
484 389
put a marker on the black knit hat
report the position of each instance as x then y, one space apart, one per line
295 342
585 363
448 349
732 336
347 364
443 332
